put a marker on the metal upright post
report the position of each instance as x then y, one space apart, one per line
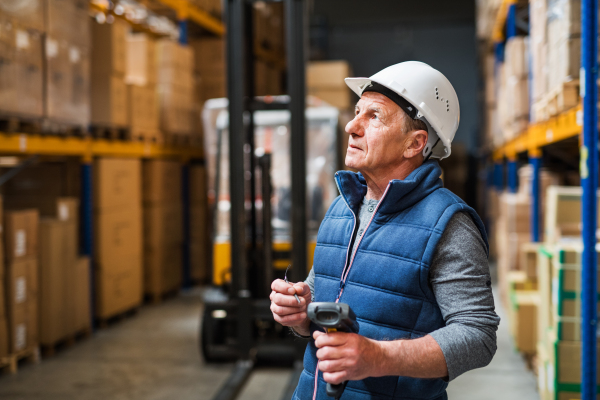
235 92
511 21
87 229
589 182
296 45
499 176
512 176
536 162
183 31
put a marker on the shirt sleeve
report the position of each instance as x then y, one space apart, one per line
460 279
310 281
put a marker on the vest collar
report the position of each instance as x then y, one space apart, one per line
400 195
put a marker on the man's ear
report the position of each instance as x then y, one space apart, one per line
416 143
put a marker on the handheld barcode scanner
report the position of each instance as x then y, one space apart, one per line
333 317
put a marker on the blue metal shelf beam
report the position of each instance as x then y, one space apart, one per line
589 182
512 176
536 163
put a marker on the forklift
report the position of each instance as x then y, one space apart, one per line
237 324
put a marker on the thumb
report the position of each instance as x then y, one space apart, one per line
302 289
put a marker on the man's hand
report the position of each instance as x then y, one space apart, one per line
286 309
347 356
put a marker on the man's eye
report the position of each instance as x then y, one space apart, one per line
375 116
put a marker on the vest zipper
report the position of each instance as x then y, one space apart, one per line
347 265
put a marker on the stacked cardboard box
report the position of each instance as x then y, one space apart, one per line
64 277
559 350
514 93
325 80
67 53
538 53
163 226
118 235
21 278
3 314
175 88
38 186
21 69
487 10
142 95
269 34
199 240
209 67
109 92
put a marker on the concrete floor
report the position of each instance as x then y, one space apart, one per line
154 356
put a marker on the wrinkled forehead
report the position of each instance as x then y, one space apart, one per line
374 99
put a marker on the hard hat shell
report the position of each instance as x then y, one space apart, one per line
429 91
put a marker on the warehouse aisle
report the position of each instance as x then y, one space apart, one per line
505 378
154 356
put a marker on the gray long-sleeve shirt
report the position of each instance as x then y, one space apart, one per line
460 278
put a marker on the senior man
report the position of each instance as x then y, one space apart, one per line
407 255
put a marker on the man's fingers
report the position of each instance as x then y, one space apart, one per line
290 320
301 288
287 300
323 339
334 377
282 310
281 286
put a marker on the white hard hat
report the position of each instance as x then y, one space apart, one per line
423 93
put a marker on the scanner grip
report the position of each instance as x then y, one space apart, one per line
336 391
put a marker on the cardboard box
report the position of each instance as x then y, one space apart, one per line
163 224
50 180
143 108
162 181
141 60
117 183
69 20
79 305
21 234
341 98
63 208
119 290
110 48
209 55
109 100
3 337
324 75
563 213
67 77
22 296
58 252
29 72
524 320
118 235
170 54
29 13
162 268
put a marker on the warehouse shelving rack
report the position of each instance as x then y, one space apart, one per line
581 122
87 148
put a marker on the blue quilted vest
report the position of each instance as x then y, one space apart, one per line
387 280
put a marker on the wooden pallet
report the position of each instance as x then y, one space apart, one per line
157 298
10 364
105 322
62 128
20 124
145 136
110 132
174 139
66 342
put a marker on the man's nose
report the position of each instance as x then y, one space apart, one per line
354 126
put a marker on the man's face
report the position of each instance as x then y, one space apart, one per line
377 141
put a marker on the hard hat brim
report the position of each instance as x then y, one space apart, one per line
357 85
